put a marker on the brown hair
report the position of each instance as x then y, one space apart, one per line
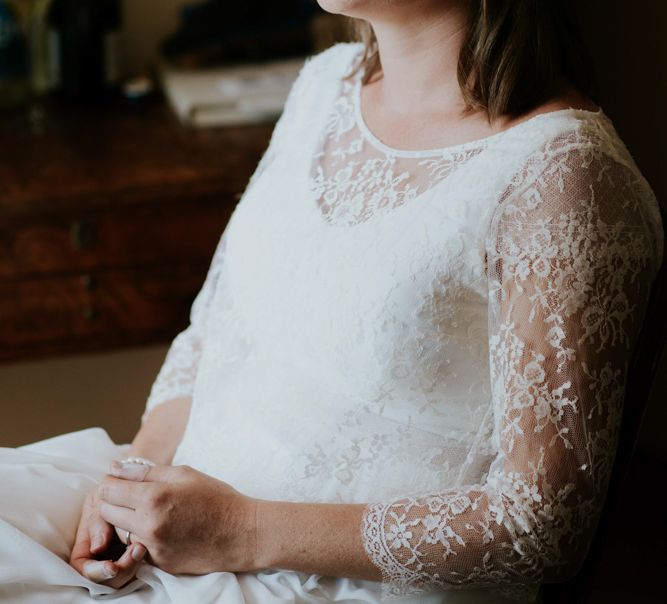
513 55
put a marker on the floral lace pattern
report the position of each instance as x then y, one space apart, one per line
570 262
353 180
390 327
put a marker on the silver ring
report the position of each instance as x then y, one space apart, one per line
127 538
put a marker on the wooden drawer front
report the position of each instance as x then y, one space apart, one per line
86 312
129 236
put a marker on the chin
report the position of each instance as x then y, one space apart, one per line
353 8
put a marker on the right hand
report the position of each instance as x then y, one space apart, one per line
98 554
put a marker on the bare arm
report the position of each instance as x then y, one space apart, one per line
162 431
322 538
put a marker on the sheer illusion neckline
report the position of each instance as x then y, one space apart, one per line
464 146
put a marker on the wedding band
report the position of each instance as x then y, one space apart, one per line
127 538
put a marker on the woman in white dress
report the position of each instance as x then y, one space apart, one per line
404 373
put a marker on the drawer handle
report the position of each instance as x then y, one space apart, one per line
82 234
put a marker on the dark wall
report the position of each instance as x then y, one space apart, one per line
629 45
628 41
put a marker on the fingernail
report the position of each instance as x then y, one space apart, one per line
97 542
132 471
138 552
99 571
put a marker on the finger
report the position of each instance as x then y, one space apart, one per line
81 548
131 557
127 565
80 552
140 472
81 556
129 471
120 517
100 533
125 493
99 570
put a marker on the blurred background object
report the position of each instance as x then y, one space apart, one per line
85 51
242 94
13 55
40 41
219 31
230 63
87 47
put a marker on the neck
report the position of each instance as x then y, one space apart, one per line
419 51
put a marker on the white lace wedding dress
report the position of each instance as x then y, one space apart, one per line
440 333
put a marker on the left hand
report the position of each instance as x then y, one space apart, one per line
188 521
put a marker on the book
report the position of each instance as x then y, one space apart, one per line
230 95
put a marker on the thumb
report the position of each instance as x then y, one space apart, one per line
139 472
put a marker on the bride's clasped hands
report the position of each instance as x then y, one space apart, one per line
179 519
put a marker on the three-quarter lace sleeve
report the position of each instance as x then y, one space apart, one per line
571 255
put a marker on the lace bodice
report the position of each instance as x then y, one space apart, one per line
441 334
354 175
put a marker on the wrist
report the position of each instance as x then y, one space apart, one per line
263 544
150 451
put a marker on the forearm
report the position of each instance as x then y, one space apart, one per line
317 538
162 431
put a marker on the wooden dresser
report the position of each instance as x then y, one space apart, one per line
109 217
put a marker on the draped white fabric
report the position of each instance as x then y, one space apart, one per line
442 334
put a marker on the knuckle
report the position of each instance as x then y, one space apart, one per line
152 498
160 497
157 554
181 471
153 530
159 531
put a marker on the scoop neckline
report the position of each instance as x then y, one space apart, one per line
363 127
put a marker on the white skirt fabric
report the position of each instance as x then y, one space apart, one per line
42 489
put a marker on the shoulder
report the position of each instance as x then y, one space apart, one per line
319 78
314 87
326 66
329 64
581 182
333 60
566 97
565 124
571 147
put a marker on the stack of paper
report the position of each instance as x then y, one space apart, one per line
242 94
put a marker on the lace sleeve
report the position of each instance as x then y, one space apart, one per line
178 372
570 260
